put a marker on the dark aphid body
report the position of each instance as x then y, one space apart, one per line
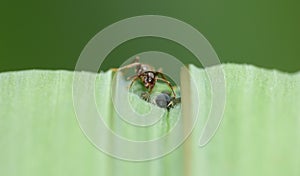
162 100
165 100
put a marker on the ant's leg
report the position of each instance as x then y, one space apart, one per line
161 74
169 84
131 77
135 78
136 62
164 77
150 89
125 67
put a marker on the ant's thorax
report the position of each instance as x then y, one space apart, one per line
141 68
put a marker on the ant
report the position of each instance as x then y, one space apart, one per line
163 100
146 74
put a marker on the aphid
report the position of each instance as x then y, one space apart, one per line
146 74
162 100
165 100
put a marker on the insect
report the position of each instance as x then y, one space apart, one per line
162 100
146 74
165 100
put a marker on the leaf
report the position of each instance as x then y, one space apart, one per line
259 133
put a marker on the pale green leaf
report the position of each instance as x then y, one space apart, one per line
259 133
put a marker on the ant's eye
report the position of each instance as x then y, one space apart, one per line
147 78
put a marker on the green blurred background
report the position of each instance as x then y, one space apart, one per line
51 34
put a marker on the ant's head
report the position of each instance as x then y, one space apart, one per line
149 78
